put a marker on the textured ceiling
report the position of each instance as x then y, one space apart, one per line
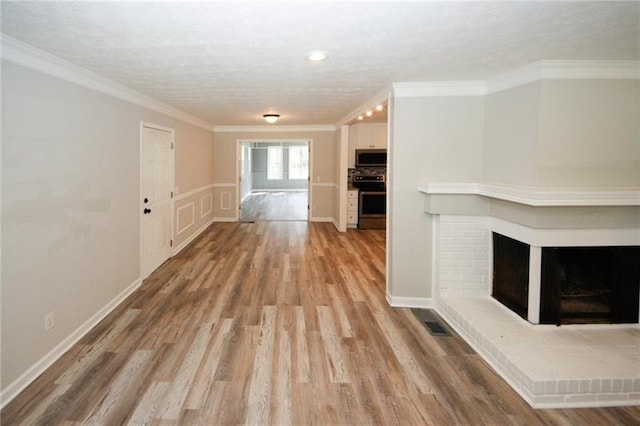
228 63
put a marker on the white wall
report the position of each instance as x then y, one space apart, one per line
564 134
435 139
589 134
70 198
511 136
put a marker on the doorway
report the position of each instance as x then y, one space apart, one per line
273 180
156 203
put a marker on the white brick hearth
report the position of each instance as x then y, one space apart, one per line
549 366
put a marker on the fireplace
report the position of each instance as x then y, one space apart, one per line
577 285
495 247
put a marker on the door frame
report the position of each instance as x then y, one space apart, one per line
241 142
172 169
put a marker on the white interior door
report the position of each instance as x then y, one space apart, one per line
156 205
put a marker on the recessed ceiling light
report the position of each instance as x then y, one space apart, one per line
360 117
317 55
369 113
379 107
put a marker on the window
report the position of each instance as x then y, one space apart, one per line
298 162
274 162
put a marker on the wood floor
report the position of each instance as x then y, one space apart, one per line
276 323
275 205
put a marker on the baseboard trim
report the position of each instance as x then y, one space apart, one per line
225 219
410 302
14 388
192 237
321 219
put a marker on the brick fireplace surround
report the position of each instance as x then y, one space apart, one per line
549 366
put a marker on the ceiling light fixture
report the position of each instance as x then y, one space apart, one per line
379 107
360 117
369 113
316 55
271 118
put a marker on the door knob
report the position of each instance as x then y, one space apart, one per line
146 200
147 211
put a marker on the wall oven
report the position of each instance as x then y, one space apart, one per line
372 209
372 199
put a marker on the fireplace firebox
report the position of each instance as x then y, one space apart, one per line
589 285
577 285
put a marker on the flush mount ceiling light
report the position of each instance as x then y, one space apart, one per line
271 118
317 55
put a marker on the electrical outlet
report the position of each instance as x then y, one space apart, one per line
49 320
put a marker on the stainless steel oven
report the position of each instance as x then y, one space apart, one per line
372 199
372 209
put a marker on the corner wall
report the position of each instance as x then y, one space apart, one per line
542 140
432 139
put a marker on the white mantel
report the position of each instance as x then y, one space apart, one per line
538 197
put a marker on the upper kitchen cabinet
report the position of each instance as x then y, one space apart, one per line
370 135
366 136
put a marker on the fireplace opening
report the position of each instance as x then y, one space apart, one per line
511 273
581 285
578 285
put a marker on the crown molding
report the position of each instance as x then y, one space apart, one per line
272 129
427 89
564 70
28 56
537 71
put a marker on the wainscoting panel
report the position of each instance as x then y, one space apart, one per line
185 217
206 205
188 223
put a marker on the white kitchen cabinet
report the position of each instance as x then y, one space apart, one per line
366 136
379 139
352 208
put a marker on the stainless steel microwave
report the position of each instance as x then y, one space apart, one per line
371 158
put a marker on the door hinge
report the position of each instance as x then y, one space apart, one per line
171 145
308 207
171 194
170 243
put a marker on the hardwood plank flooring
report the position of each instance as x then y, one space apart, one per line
275 206
276 323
